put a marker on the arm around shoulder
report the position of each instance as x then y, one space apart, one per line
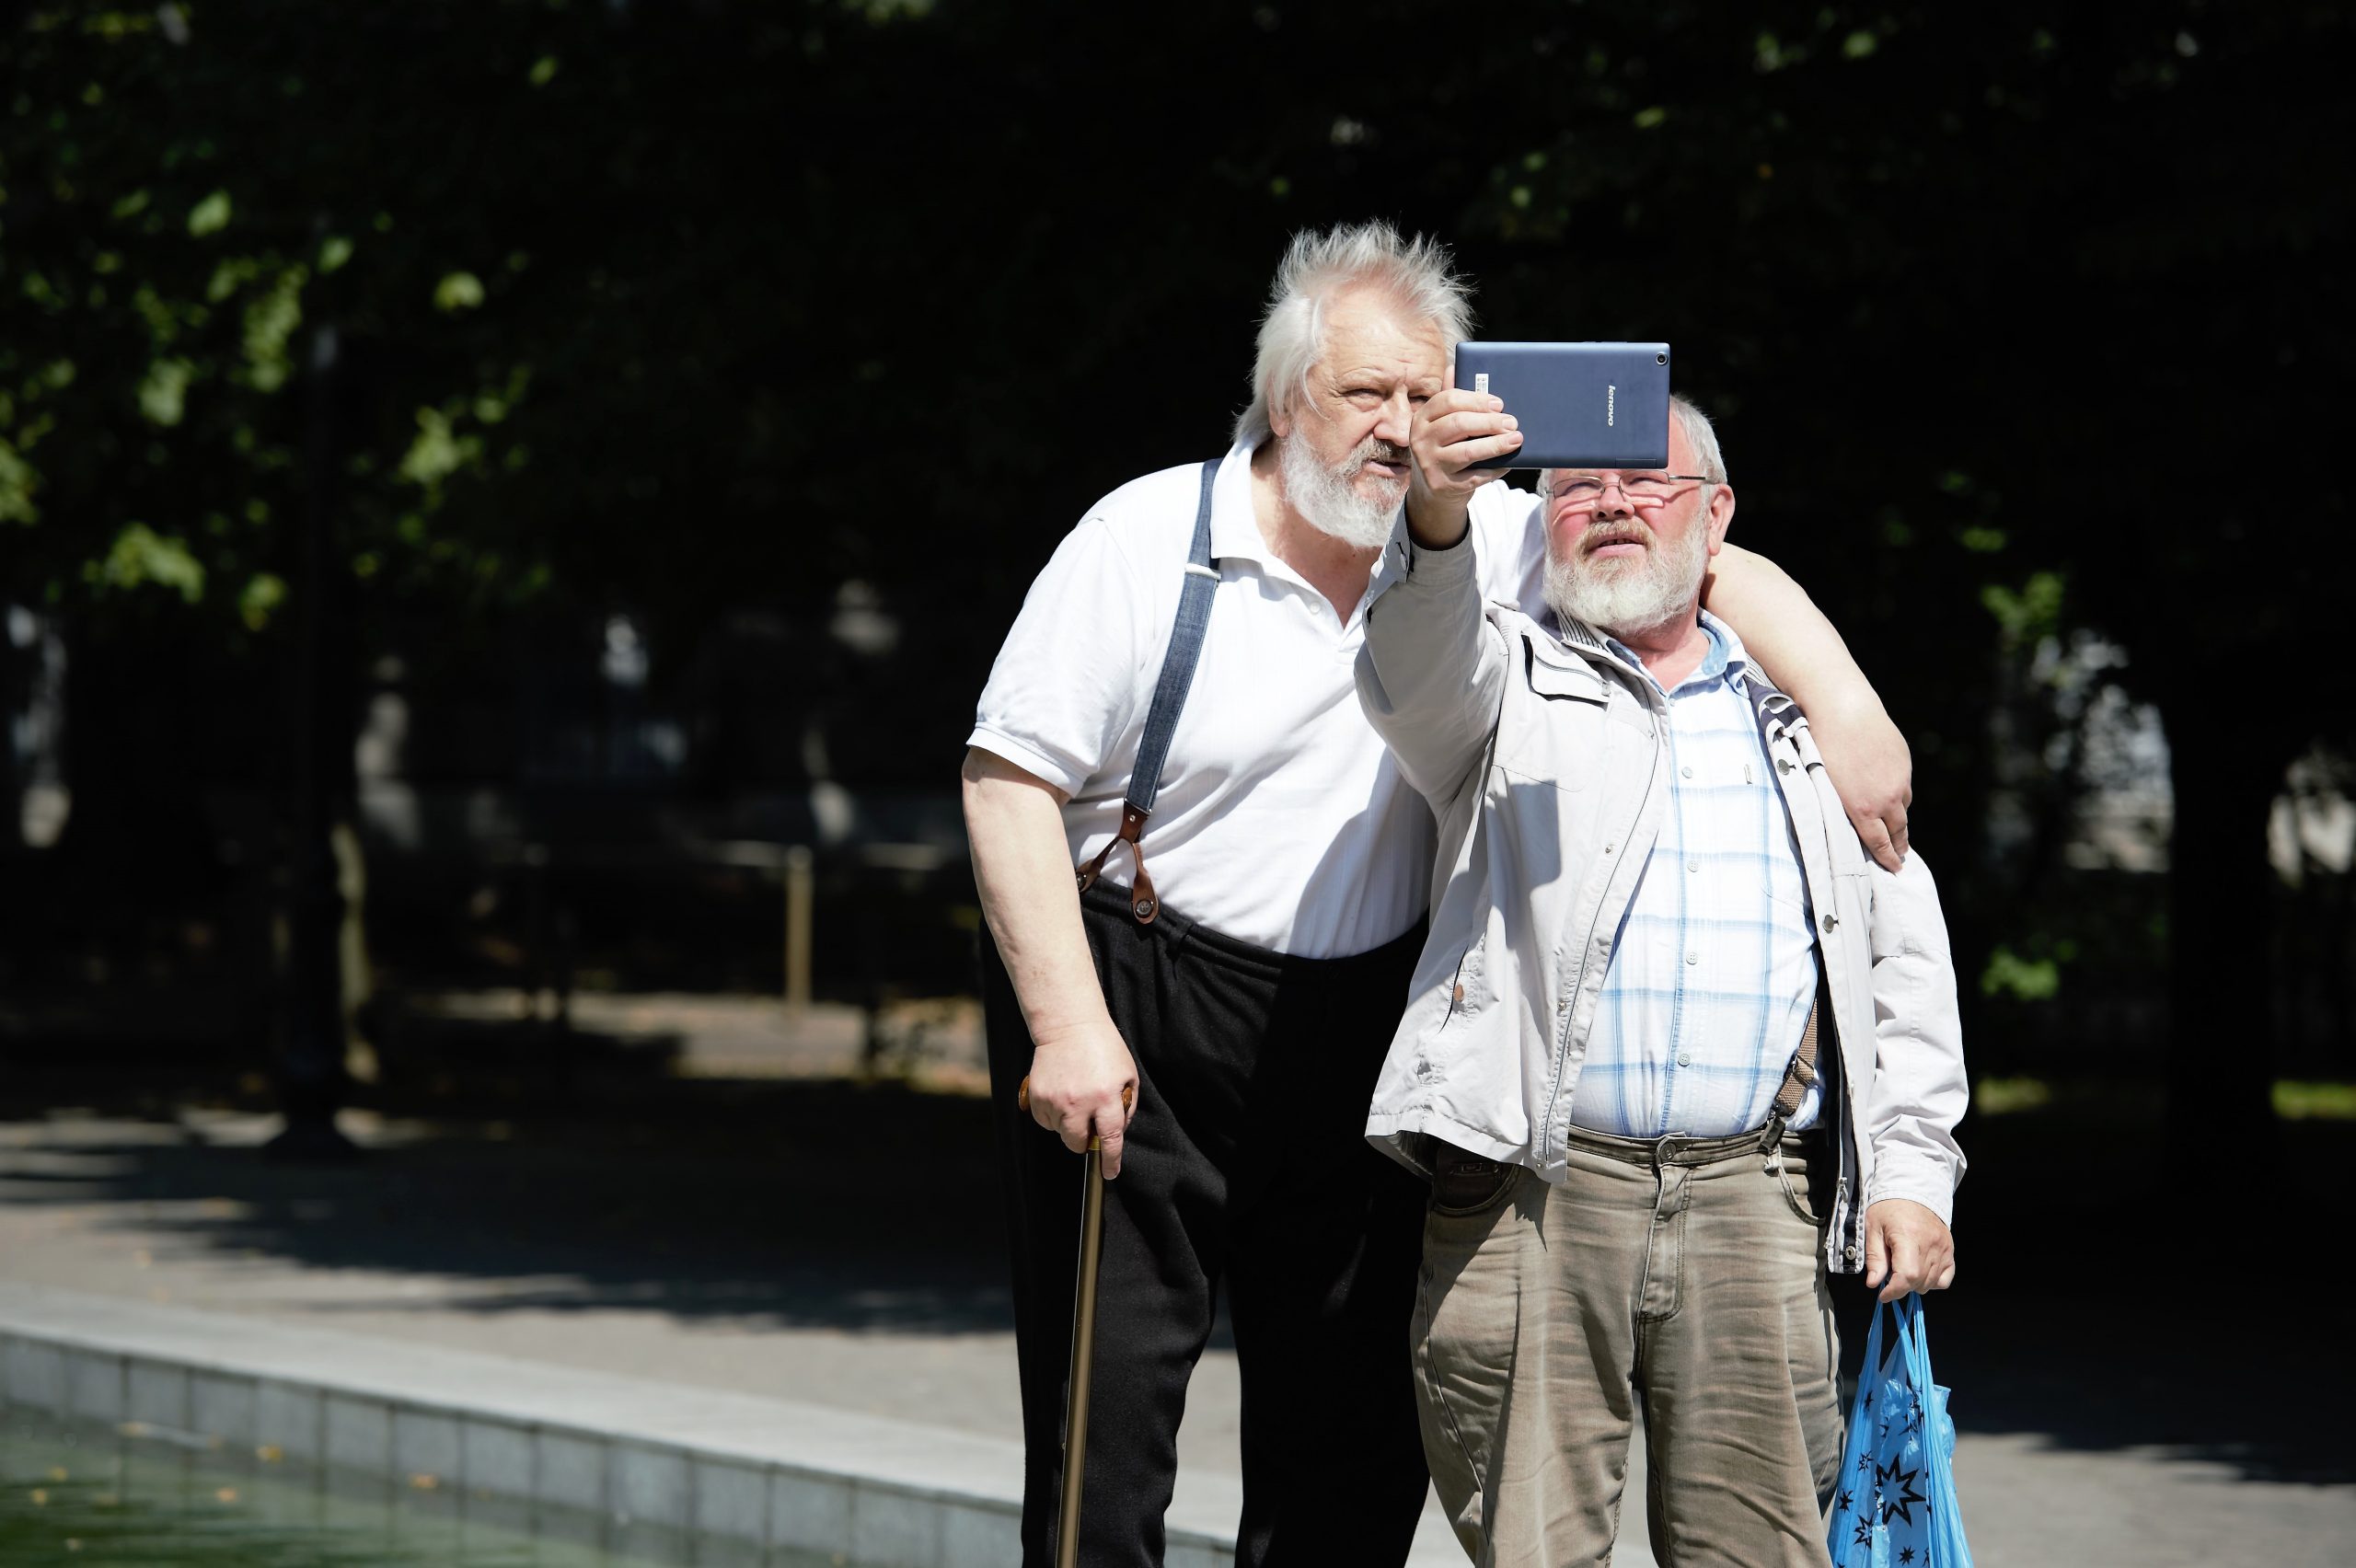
1865 753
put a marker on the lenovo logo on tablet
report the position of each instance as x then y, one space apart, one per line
1579 404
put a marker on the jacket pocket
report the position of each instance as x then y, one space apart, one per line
1560 677
1552 731
1464 995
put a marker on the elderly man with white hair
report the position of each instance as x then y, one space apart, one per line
1213 996
1677 1044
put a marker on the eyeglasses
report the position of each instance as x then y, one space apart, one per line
1583 493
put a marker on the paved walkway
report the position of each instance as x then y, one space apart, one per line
837 1244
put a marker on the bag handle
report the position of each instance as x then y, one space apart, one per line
1873 1351
1914 1330
1907 1313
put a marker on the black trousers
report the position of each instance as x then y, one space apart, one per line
1246 1166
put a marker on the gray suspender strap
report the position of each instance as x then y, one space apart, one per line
1774 713
1800 1077
1178 663
1161 717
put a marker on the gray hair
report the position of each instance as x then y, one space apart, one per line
1318 266
1699 434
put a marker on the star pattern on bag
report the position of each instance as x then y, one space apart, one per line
1895 1489
1905 1430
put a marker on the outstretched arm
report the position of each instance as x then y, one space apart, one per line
1432 673
1865 754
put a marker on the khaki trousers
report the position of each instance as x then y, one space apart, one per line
1684 1273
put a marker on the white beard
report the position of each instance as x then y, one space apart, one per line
1328 498
1626 598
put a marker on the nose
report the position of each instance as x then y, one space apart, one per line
1613 502
1397 424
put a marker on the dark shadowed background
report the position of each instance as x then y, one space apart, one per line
506 508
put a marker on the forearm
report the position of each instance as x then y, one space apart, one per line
1792 640
1863 753
1023 869
1428 676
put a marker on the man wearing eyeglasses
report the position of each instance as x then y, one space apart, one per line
1677 1045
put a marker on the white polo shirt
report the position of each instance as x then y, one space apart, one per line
1282 819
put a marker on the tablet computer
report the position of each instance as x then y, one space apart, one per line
1580 405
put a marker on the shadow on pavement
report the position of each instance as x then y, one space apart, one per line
2112 1293
2092 1308
799 1203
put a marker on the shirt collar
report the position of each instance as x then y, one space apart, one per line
1726 659
1235 530
1732 658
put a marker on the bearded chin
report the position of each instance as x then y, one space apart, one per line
1326 498
1659 590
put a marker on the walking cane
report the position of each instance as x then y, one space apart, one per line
1083 1336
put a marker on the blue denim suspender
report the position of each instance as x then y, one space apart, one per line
1161 717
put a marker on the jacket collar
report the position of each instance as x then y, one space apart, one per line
1738 665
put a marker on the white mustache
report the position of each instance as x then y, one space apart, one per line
1598 533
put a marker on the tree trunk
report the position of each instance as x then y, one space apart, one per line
311 1079
2222 898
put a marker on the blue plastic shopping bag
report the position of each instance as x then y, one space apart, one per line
1894 1506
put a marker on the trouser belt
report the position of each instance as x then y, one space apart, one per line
1676 1150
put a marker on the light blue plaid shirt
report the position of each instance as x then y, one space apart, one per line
1713 971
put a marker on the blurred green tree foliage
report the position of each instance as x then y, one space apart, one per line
2022 320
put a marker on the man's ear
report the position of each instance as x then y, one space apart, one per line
1721 514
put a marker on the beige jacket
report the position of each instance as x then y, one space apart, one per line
1542 757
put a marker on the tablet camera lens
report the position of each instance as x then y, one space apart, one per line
1661 359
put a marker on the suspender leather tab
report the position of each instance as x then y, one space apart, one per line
1800 1077
1142 902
